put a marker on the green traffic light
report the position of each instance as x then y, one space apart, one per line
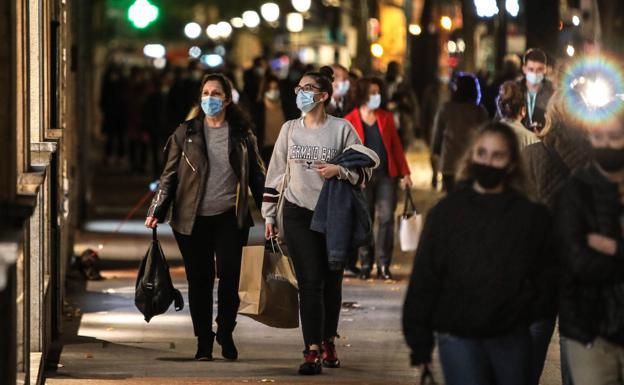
142 13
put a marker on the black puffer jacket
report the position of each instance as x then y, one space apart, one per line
592 295
547 173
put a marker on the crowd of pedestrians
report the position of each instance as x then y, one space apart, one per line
529 232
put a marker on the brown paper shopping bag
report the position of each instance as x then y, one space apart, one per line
268 287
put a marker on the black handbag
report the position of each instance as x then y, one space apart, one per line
154 290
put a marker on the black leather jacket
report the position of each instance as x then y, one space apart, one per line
184 177
592 293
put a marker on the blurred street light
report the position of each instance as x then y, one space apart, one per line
451 46
251 19
270 12
154 50
142 13
512 7
461 45
377 50
195 52
446 23
237 22
415 29
302 5
570 50
294 22
213 31
225 29
576 20
160 63
192 30
212 60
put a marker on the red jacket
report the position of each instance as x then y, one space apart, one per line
397 164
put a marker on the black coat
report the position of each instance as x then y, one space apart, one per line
484 267
551 161
592 293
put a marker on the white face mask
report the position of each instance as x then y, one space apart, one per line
534 78
272 94
374 101
342 87
235 96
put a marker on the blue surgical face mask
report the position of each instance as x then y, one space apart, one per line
374 101
305 101
534 78
342 88
211 105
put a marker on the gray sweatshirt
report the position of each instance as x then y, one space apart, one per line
306 150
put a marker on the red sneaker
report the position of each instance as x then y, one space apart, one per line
311 364
330 357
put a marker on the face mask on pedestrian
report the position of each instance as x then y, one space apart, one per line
235 96
342 87
534 78
272 95
609 159
211 105
488 177
305 101
374 101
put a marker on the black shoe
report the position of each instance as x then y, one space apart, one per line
228 349
204 348
365 272
311 364
384 272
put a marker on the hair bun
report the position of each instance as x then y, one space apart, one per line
328 72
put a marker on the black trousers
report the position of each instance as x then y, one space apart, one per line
320 289
213 239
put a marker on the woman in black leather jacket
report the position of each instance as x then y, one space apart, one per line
212 162
589 220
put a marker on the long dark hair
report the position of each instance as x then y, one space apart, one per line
324 78
516 177
510 100
234 115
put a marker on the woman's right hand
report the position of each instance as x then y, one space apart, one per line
270 231
151 222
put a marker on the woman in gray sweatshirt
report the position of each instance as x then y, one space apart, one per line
301 157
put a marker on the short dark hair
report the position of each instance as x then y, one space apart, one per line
535 54
465 88
324 79
360 96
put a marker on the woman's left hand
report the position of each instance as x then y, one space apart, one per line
328 171
406 182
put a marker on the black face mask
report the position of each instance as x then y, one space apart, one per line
609 159
488 177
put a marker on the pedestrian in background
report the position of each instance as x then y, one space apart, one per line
536 88
511 106
341 102
376 129
455 124
303 154
403 104
589 221
269 116
484 270
212 161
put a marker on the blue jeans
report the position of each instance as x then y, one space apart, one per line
566 373
504 360
541 332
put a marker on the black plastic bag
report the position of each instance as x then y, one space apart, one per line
154 290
